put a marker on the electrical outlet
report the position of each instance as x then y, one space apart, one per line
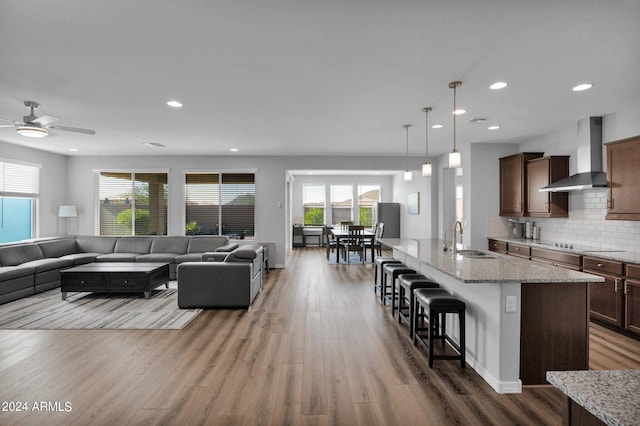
511 304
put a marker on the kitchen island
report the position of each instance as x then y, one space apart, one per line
522 318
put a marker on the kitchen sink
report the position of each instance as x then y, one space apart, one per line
475 254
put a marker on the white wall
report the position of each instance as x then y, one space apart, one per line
423 224
53 185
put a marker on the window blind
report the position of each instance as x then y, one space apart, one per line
19 180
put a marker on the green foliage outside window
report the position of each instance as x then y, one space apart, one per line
366 216
313 216
142 220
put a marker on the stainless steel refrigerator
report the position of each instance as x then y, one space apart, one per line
389 214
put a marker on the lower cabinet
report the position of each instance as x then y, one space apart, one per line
632 299
606 298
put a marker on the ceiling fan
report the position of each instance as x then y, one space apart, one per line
37 127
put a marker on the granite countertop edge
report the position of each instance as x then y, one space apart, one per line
601 392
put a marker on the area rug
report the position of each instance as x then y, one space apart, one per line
92 311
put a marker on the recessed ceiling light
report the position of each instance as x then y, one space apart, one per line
174 104
233 149
498 85
437 126
73 149
583 86
460 111
493 127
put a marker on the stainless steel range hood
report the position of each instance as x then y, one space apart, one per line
589 160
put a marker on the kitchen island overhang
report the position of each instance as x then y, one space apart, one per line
522 318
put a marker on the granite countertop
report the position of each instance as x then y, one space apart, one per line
497 269
603 253
613 396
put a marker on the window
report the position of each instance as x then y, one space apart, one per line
132 203
341 203
19 188
367 196
220 204
313 199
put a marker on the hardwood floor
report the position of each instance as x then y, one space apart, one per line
316 348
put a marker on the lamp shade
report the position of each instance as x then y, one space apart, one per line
426 169
454 160
67 211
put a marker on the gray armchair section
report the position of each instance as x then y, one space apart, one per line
230 282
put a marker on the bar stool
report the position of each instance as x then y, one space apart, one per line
407 283
393 269
433 305
407 276
381 261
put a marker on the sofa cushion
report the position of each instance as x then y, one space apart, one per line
177 245
81 258
117 257
11 272
189 257
140 245
157 257
95 244
42 265
201 244
58 247
18 254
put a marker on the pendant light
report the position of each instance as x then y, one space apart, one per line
408 176
426 167
454 156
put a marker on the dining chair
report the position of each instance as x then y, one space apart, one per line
354 243
374 244
330 242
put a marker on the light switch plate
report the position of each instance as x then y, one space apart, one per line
511 304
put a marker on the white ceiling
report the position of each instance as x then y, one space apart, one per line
301 77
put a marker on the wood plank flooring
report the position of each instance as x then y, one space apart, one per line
317 348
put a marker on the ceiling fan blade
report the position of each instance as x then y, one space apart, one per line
6 119
45 119
73 129
7 125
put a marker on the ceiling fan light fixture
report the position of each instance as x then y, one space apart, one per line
32 131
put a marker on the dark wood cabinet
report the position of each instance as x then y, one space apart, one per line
623 175
557 258
632 299
497 246
513 183
540 173
606 298
519 250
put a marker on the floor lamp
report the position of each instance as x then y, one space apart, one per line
67 212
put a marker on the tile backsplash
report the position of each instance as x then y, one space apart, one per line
586 224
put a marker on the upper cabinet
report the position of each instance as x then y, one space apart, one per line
513 183
540 173
623 179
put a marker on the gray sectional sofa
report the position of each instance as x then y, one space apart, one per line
27 268
222 280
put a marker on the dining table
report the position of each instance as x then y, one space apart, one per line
368 236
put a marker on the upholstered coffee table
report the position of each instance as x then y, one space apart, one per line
115 277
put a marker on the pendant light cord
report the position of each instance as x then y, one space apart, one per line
406 126
453 85
426 132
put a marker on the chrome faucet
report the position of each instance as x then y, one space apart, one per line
455 236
